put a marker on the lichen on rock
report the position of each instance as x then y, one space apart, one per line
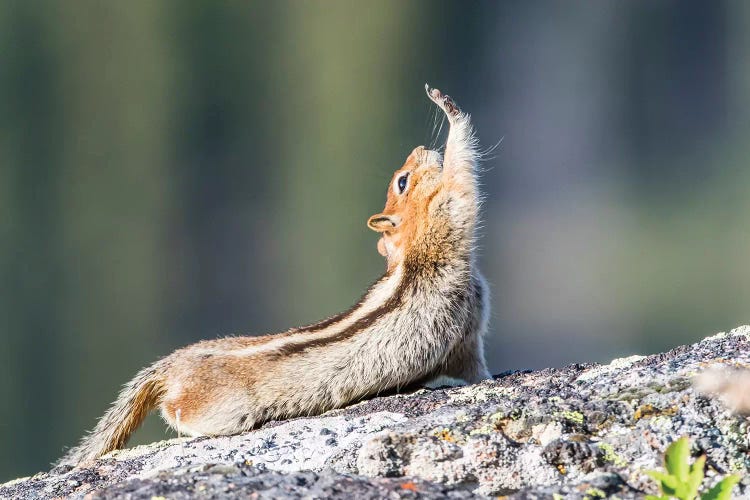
583 431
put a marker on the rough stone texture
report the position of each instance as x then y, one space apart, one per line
584 431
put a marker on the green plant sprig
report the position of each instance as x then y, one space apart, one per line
683 480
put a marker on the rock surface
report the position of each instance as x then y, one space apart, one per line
584 431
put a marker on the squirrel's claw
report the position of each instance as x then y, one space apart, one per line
444 102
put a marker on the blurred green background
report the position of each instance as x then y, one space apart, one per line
175 170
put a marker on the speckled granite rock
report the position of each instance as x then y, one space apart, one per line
584 431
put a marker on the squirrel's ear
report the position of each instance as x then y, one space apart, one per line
383 222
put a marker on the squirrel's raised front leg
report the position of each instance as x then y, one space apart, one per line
459 168
461 155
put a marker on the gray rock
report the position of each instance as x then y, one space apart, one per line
584 431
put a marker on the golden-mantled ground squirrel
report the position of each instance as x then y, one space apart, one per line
425 318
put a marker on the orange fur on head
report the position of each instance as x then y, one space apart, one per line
405 212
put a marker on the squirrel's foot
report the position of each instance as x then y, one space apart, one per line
444 102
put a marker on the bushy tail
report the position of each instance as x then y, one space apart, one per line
136 400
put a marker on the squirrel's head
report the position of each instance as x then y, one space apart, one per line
430 199
408 203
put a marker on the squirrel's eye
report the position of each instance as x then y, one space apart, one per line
402 183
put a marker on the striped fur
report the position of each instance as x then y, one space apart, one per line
424 318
